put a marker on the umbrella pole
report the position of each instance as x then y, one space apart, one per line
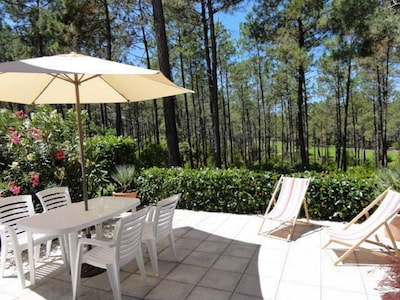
81 148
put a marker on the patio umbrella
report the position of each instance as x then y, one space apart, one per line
80 79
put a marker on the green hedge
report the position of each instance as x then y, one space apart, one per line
232 190
330 197
339 197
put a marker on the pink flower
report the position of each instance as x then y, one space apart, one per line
36 133
60 154
35 181
15 189
15 136
15 140
34 178
20 114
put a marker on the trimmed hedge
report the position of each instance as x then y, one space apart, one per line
339 197
231 190
336 197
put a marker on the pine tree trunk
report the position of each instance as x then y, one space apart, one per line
168 102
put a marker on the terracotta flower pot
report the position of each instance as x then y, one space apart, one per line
130 194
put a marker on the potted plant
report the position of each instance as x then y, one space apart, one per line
124 177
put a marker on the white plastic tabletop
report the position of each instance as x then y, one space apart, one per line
73 217
68 220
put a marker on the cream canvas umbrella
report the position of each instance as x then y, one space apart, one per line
80 79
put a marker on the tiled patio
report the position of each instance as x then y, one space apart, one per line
222 257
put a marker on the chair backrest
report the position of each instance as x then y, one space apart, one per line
13 209
128 235
291 195
386 211
55 197
164 216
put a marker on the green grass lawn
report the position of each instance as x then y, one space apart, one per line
393 155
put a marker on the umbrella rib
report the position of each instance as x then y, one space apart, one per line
44 89
54 76
66 77
115 89
89 78
62 76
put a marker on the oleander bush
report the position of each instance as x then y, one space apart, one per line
390 284
40 149
37 150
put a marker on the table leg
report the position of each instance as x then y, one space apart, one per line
31 255
65 249
73 248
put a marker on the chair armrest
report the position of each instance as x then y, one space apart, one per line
94 242
4 227
273 196
151 213
8 232
7 228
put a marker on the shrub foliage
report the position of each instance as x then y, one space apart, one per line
330 197
39 150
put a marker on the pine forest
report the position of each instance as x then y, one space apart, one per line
301 82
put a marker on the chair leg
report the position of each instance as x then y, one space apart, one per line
346 253
20 270
36 252
139 260
262 225
4 252
48 247
172 242
327 244
76 280
64 249
113 275
344 256
99 230
152 250
291 231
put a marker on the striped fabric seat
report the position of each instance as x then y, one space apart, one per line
354 235
286 209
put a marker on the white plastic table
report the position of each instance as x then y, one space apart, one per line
70 219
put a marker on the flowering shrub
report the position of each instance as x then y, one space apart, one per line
37 149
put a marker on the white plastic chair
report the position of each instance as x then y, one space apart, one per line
111 255
159 226
53 198
13 209
56 197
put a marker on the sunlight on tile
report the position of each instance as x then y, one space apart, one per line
222 256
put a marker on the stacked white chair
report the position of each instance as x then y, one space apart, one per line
13 238
112 255
159 226
53 198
